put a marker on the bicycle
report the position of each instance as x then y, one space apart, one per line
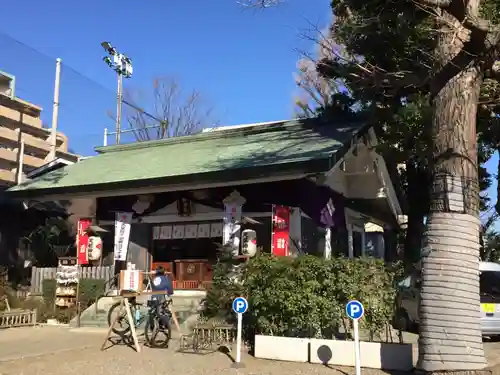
158 324
155 323
122 321
135 309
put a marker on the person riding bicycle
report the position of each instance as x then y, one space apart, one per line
162 283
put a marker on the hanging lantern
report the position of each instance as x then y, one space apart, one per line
94 248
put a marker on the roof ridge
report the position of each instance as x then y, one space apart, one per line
220 134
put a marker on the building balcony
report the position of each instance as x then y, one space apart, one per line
7 178
19 117
39 145
9 155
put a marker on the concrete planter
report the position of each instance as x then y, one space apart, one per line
386 356
282 348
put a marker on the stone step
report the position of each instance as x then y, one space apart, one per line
186 305
186 319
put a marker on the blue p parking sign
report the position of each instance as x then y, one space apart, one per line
354 310
240 305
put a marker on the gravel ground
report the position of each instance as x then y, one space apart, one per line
59 351
122 360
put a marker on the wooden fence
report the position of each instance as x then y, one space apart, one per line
39 274
17 318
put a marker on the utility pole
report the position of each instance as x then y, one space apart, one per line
122 65
119 108
55 112
20 159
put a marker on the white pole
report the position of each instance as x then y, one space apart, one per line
20 165
119 108
238 338
55 112
105 141
356 347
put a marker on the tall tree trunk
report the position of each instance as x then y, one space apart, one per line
450 332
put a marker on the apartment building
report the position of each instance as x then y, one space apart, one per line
24 141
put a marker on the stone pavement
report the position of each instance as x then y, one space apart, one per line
17 343
60 351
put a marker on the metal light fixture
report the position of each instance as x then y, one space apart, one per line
122 65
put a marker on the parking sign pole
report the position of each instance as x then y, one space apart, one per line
357 353
240 306
355 310
238 338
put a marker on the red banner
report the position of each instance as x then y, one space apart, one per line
82 240
281 231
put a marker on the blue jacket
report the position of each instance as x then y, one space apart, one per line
162 283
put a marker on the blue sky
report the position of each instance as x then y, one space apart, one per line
492 165
242 61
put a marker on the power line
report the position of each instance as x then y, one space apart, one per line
81 75
33 49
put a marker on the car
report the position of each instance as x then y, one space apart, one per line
408 300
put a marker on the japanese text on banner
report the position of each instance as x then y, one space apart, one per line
281 231
82 240
122 234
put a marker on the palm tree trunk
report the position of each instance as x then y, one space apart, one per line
450 332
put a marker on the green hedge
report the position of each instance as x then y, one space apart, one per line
306 296
90 290
49 291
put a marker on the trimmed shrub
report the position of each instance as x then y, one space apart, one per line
306 296
220 296
49 291
90 290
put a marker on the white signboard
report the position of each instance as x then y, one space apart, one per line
191 231
122 234
156 232
165 232
131 280
203 231
178 231
216 230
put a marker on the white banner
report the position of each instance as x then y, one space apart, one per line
122 234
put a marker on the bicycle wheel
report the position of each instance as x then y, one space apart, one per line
149 328
156 336
122 325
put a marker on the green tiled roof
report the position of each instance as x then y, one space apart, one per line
244 147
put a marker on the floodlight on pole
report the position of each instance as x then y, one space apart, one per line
122 65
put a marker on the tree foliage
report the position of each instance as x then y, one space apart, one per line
351 55
49 241
225 286
442 54
388 61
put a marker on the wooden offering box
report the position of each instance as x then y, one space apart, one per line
190 270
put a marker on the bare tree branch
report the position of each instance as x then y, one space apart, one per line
460 10
481 44
260 4
178 113
315 90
